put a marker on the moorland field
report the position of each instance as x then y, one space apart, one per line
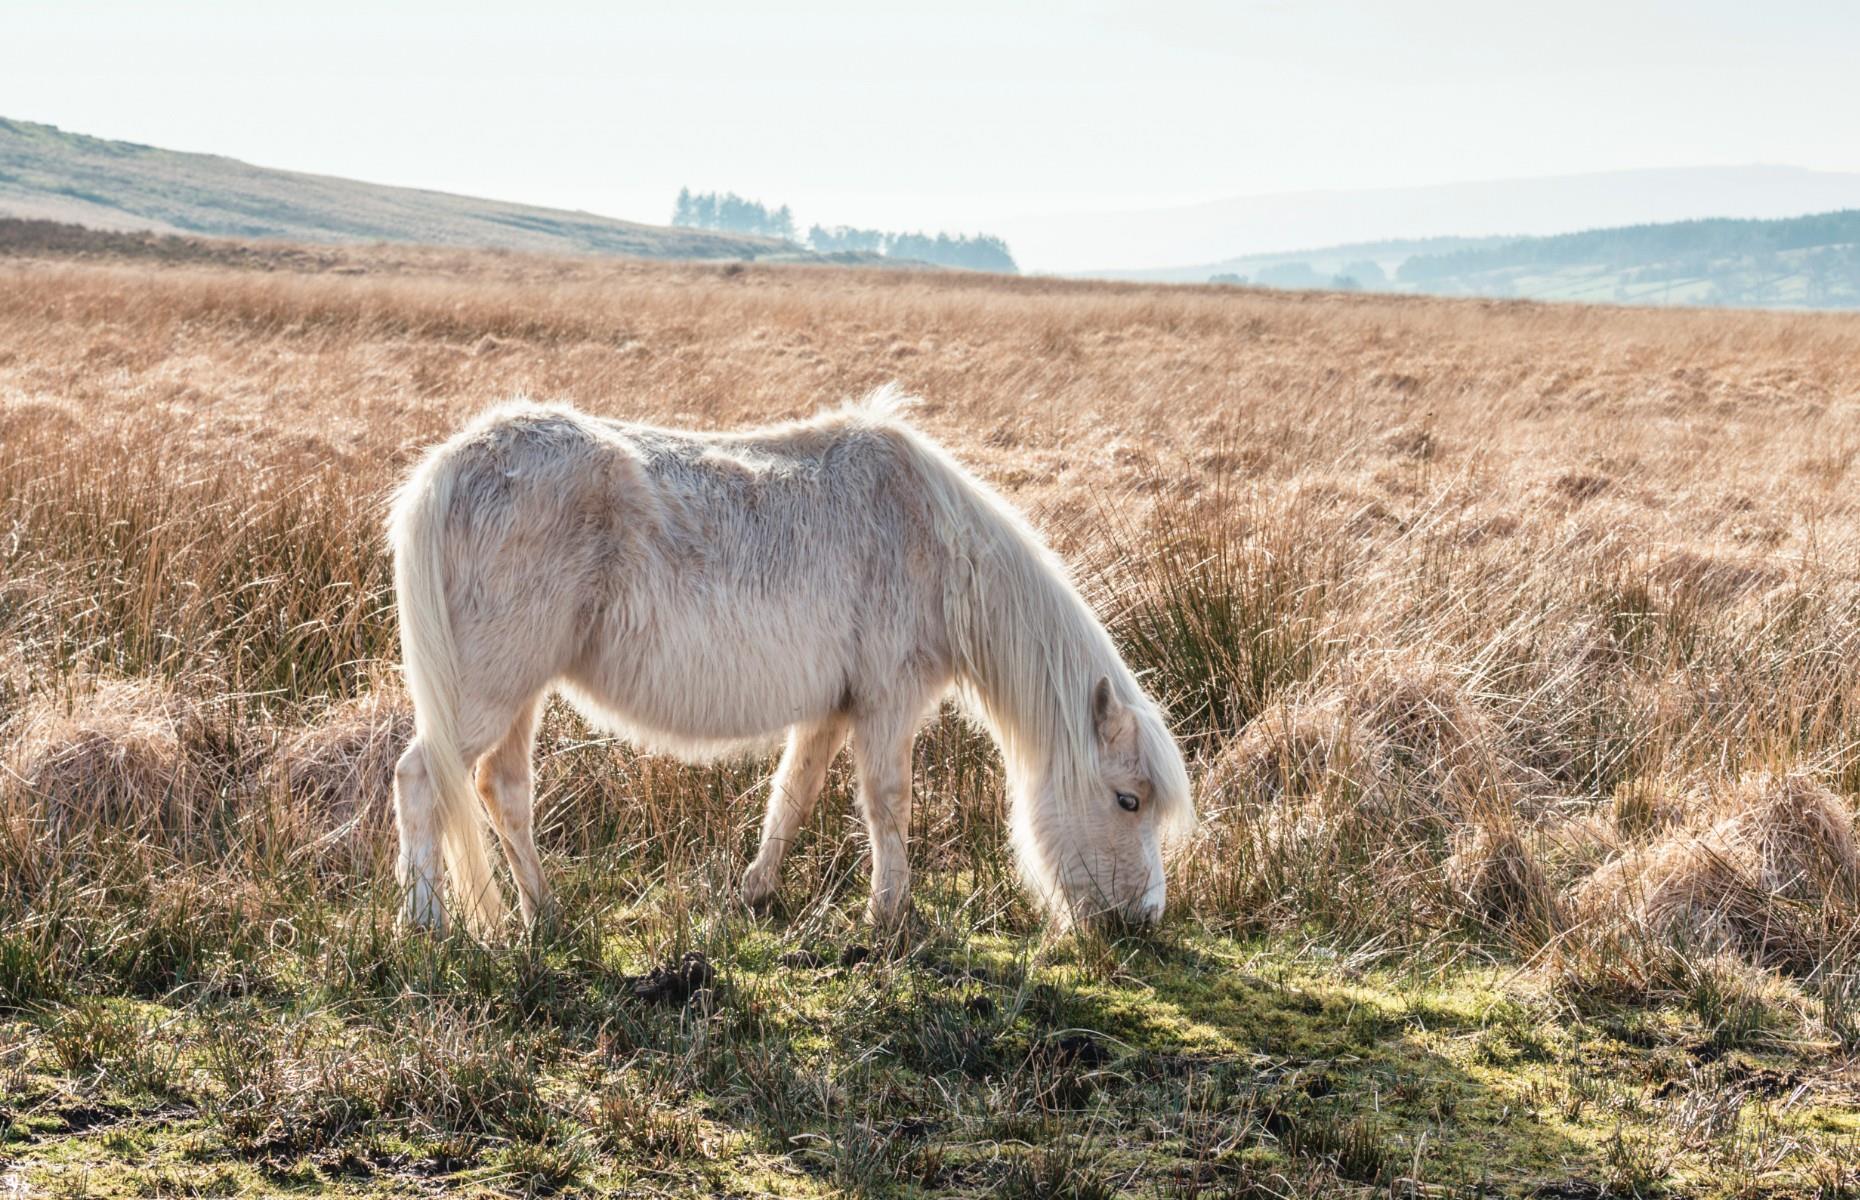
1516 649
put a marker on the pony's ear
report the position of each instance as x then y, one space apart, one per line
1109 715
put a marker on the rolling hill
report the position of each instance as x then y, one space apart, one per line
1795 262
49 174
1801 262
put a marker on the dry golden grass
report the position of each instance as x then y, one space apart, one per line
1496 630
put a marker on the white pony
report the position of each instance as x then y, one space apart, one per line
696 592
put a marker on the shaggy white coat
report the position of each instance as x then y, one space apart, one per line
696 592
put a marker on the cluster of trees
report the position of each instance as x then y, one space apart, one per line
979 253
844 239
730 213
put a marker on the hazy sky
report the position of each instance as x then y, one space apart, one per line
945 114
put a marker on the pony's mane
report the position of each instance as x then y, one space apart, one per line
1029 650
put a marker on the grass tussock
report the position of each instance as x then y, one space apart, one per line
1499 881
341 763
1516 648
137 758
1763 867
1394 781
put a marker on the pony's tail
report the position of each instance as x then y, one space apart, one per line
431 662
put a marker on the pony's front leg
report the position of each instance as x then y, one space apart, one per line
883 753
797 784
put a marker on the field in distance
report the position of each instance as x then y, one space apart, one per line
1516 647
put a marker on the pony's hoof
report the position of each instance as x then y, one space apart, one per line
887 917
545 924
759 887
427 924
422 913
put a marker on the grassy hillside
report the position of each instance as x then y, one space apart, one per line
1801 262
49 174
1798 262
1516 647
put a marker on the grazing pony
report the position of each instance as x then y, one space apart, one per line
697 593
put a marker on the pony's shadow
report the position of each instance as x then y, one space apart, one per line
1159 1029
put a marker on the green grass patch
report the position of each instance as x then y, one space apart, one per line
817 1061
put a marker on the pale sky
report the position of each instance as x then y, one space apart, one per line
945 115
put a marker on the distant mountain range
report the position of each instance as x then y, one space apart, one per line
1118 244
1796 262
48 174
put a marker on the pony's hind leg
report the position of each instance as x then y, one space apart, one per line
420 868
442 835
882 749
797 784
506 784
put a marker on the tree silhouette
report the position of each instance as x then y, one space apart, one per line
732 213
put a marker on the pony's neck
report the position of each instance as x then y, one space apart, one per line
1030 650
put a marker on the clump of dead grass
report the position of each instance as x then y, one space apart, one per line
1401 736
140 757
1395 777
340 766
327 787
1297 750
1497 879
1762 867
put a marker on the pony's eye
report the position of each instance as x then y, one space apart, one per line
1127 802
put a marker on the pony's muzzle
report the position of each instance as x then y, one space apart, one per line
1149 909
